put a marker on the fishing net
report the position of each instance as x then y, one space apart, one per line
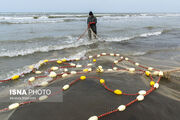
97 68
126 81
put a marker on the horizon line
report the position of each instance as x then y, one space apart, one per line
81 12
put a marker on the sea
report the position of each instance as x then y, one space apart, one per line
152 39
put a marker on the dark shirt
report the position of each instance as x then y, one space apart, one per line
91 19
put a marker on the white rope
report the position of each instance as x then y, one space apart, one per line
93 33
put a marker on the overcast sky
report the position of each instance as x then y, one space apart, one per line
87 5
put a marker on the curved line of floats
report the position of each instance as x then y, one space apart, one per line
148 71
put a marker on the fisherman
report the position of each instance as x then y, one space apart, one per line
91 21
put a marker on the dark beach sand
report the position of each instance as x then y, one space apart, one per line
88 98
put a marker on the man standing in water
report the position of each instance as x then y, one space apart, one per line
91 21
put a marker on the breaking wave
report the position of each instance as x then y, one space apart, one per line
28 51
56 18
151 34
41 49
26 69
39 39
133 37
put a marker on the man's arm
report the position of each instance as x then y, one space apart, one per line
88 20
95 20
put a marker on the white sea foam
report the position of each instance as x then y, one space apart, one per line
55 18
26 69
132 37
15 72
116 39
139 53
14 18
30 21
10 53
169 15
14 53
151 34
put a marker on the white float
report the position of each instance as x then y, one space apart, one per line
116 61
43 84
73 72
150 68
13 106
98 55
54 68
117 54
90 57
65 87
115 68
161 73
126 59
111 54
93 118
142 92
90 64
72 64
156 85
131 69
121 107
78 66
104 53
38 72
31 79
44 97
65 70
64 75
156 73
77 59
140 98
137 64
52 74
100 67
110 70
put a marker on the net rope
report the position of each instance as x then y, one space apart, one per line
68 68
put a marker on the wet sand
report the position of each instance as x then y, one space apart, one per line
89 98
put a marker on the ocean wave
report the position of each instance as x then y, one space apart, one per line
14 18
22 17
31 21
36 39
151 34
29 51
144 35
9 53
26 69
42 21
139 53
67 16
126 16
55 18
34 19
117 39
168 15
